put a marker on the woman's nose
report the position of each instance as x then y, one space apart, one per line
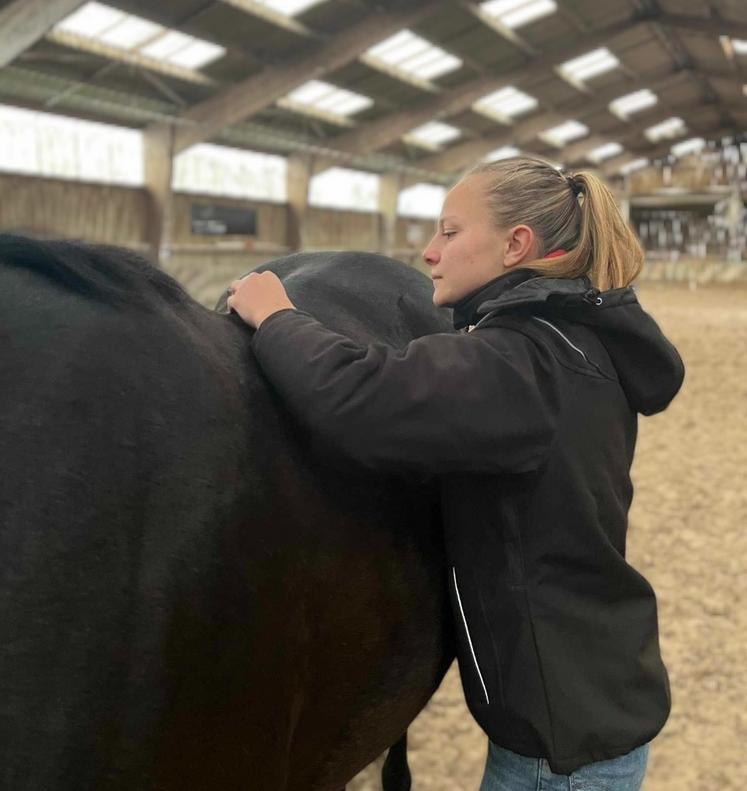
431 255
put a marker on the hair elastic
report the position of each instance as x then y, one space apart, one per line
576 188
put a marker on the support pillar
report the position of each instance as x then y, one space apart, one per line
158 151
298 178
390 185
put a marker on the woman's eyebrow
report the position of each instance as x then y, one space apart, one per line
443 220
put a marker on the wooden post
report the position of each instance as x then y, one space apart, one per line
390 185
298 177
158 150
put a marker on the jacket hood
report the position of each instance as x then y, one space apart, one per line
648 366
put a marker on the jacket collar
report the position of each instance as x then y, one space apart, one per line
648 367
466 310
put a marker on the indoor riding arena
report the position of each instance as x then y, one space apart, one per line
210 137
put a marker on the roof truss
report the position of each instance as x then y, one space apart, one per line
224 116
24 22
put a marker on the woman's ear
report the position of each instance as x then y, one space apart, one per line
520 246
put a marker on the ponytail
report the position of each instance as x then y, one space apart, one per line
575 212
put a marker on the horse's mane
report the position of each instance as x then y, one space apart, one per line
112 275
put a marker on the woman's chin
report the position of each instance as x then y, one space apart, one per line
439 298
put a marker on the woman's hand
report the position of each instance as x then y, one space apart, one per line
257 296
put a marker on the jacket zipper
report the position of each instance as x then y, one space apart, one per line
469 638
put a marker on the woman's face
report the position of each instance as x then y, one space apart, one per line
467 250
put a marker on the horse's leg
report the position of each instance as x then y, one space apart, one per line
395 774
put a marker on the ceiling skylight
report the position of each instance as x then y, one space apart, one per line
92 20
432 135
636 164
589 65
690 146
130 32
502 153
322 97
634 102
564 133
412 55
672 127
136 35
606 151
288 7
515 13
505 104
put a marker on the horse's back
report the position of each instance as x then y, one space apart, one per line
366 296
190 599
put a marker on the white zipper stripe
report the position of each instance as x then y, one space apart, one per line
485 318
469 638
562 336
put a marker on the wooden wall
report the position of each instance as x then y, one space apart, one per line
203 264
52 207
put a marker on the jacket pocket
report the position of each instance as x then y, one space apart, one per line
468 635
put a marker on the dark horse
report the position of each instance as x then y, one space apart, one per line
193 594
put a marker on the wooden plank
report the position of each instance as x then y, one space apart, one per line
390 185
658 149
298 177
104 50
523 132
492 22
707 26
273 17
24 22
244 99
390 128
158 151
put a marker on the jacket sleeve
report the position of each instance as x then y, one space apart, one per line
484 402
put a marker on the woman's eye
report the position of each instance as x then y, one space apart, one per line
449 234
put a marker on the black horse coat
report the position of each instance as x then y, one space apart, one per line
189 596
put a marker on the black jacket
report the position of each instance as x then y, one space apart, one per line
530 421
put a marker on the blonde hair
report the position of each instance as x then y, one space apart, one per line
574 212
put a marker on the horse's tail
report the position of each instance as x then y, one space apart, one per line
395 774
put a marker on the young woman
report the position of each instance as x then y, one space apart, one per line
529 419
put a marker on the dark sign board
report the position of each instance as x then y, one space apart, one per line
223 221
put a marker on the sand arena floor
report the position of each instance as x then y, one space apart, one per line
688 536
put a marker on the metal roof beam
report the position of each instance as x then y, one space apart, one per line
274 17
390 128
24 22
655 150
708 25
523 132
628 132
474 8
244 99
119 55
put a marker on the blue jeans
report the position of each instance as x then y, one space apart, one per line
507 771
